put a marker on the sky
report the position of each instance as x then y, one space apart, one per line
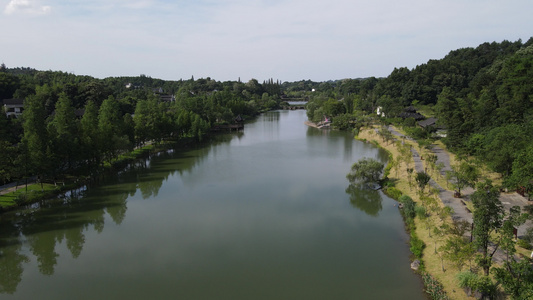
287 40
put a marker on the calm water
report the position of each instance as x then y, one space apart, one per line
261 214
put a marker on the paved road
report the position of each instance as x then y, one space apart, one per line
460 211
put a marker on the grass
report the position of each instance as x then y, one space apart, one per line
33 193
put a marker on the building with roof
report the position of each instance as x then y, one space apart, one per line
13 107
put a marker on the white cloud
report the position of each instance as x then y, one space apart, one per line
27 7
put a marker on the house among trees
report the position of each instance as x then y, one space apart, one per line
410 112
13 107
425 124
167 98
164 97
432 123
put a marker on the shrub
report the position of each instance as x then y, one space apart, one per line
433 287
485 285
417 245
420 212
408 206
524 244
472 282
394 193
466 279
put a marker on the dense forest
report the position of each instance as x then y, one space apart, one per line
73 124
482 96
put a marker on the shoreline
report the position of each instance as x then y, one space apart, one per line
430 259
310 124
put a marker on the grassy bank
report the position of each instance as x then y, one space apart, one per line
34 192
431 260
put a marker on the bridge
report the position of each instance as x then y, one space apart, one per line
293 107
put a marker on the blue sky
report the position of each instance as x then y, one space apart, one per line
287 40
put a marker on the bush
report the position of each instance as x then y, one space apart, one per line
420 212
417 245
466 279
408 206
485 285
524 244
433 287
394 193
472 282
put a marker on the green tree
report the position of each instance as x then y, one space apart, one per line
35 137
63 133
422 179
464 174
365 170
488 217
522 170
109 127
516 278
7 161
90 137
144 129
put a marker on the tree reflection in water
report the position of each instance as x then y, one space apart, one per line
41 227
365 199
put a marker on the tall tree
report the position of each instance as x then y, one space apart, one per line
35 134
464 174
109 127
488 217
63 132
90 138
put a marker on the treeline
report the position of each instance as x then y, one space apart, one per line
72 124
483 96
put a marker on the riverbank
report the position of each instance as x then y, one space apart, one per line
16 195
432 260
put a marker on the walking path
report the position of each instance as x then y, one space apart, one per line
13 186
460 211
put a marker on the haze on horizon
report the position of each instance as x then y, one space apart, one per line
288 40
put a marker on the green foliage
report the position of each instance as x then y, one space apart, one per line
524 244
408 206
464 174
516 278
420 212
433 287
366 170
416 245
393 192
345 122
474 282
466 279
422 179
488 216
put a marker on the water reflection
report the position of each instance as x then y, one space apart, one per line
11 260
365 199
66 219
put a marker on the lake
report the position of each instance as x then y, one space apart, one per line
265 213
